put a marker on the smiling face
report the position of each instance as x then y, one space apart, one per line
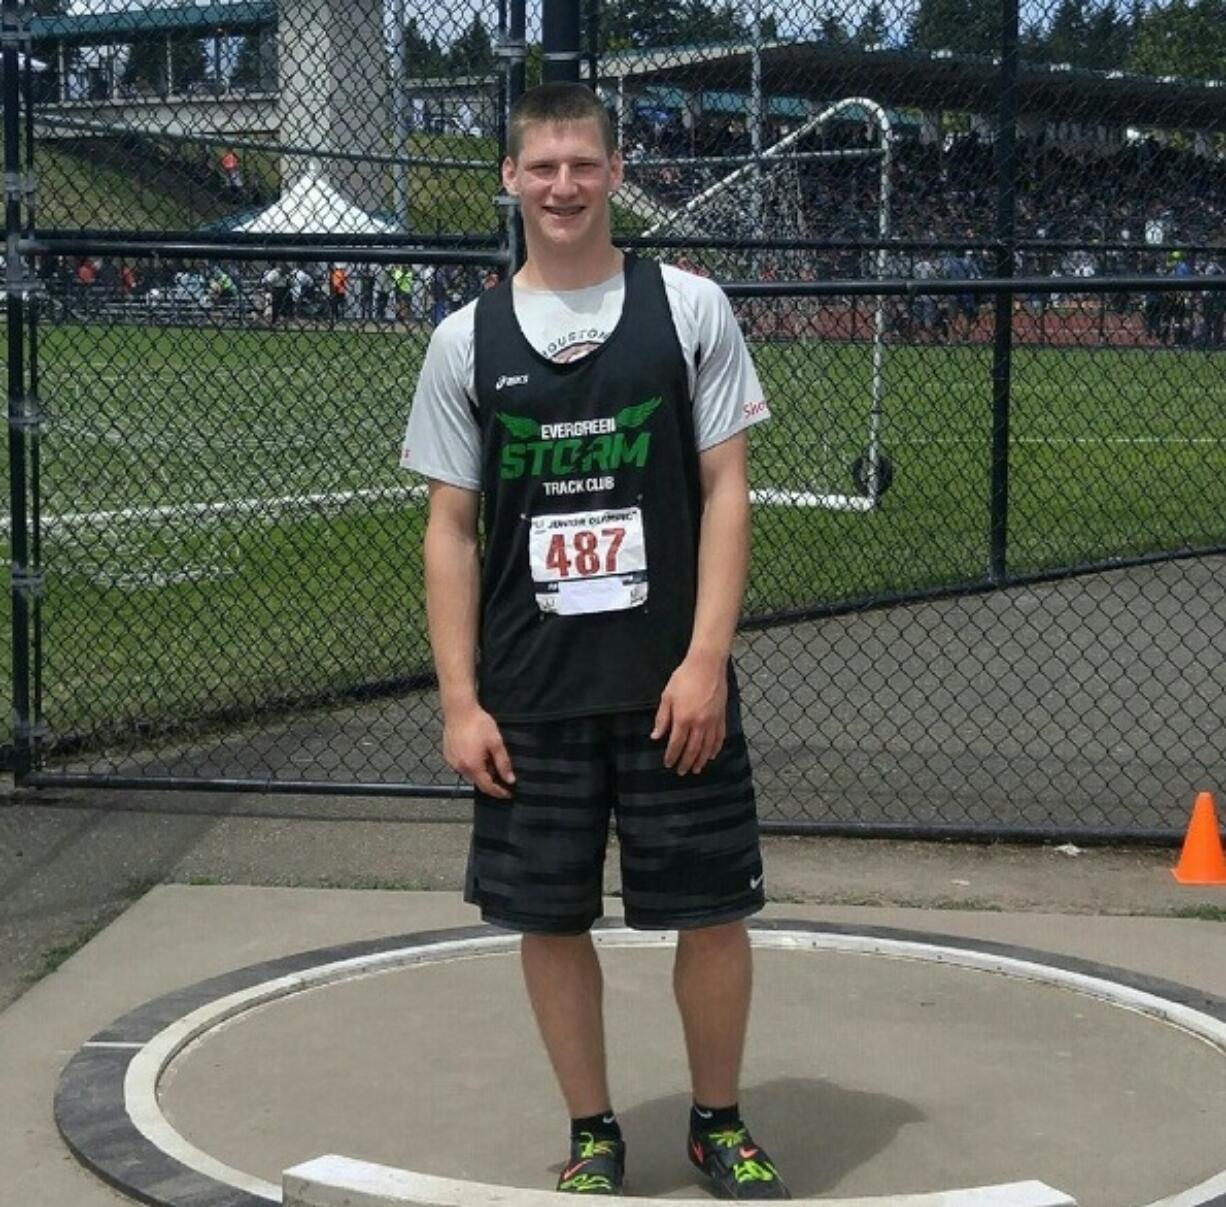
563 176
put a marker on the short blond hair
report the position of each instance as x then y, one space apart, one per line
558 101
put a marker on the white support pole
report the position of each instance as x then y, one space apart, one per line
400 173
883 233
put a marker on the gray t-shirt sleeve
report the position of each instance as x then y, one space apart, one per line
728 396
442 440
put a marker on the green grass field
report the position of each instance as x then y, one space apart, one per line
204 553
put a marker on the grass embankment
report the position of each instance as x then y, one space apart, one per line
107 184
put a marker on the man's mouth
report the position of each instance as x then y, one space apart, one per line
564 211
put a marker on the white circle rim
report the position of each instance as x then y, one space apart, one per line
150 1063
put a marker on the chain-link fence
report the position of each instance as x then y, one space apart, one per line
977 254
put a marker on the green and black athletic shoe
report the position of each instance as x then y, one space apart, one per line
735 1165
595 1166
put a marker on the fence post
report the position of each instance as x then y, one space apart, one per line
13 36
560 40
401 205
513 51
1006 242
592 20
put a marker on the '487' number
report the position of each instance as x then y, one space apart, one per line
592 554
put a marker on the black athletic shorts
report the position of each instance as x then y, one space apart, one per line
689 844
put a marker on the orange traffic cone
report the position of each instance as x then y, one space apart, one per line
1202 860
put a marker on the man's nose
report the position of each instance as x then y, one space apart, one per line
563 181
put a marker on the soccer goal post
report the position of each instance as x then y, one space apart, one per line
870 471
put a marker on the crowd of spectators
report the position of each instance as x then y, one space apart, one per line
1082 215
106 288
1141 193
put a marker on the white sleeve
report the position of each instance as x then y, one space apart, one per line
442 440
728 396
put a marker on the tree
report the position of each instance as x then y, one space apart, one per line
830 32
1136 14
1031 42
963 26
472 52
145 69
640 23
703 22
872 30
1068 34
631 23
626 24
1108 37
187 60
1186 38
938 24
247 72
422 57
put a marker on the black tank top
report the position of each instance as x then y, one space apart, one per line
579 461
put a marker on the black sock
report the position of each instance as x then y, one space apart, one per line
712 1118
600 1127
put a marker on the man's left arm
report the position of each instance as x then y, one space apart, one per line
693 705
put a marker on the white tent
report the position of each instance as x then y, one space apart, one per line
311 206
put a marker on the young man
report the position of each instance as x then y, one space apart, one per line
593 411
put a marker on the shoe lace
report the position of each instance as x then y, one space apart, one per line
754 1171
589 1146
729 1137
585 1182
748 1169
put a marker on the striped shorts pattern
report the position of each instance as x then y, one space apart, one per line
690 855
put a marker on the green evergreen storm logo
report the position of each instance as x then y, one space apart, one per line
559 450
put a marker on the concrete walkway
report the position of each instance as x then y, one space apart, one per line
869 1073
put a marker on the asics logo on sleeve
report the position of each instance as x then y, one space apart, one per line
520 380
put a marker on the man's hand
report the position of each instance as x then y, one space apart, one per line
693 712
473 746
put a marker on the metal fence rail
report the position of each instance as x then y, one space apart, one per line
989 547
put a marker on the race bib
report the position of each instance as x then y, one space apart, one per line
588 561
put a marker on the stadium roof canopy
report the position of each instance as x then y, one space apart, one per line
930 80
189 18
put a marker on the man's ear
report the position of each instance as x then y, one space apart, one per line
616 170
508 176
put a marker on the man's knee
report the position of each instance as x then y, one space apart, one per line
556 947
723 936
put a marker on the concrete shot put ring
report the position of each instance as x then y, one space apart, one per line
108 1110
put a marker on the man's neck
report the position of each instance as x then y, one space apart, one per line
566 272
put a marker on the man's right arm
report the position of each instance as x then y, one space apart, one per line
472 743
